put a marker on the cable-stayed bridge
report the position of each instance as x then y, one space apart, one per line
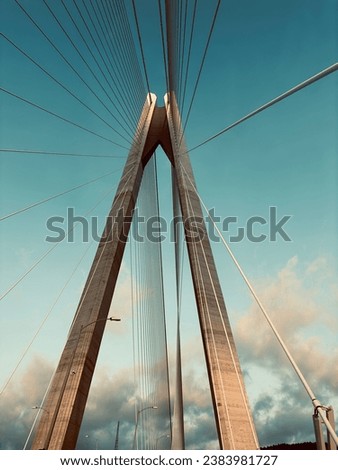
88 70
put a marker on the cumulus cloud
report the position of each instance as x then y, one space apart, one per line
295 302
16 403
200 429
111 400
281 409
317 265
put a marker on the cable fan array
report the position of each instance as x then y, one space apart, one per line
152 400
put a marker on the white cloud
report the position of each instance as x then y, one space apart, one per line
16 413
281 410
295 302
316 265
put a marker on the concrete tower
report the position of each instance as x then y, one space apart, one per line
66 399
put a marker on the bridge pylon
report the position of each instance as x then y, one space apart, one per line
66 399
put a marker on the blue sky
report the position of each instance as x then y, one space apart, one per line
285 157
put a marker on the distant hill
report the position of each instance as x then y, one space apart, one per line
298 446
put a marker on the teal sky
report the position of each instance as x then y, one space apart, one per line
285 157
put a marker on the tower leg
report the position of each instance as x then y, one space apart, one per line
232 412
331 445
317 422
66 400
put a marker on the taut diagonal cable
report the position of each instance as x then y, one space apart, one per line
309 81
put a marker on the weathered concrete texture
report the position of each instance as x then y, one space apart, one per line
233 417
65 403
